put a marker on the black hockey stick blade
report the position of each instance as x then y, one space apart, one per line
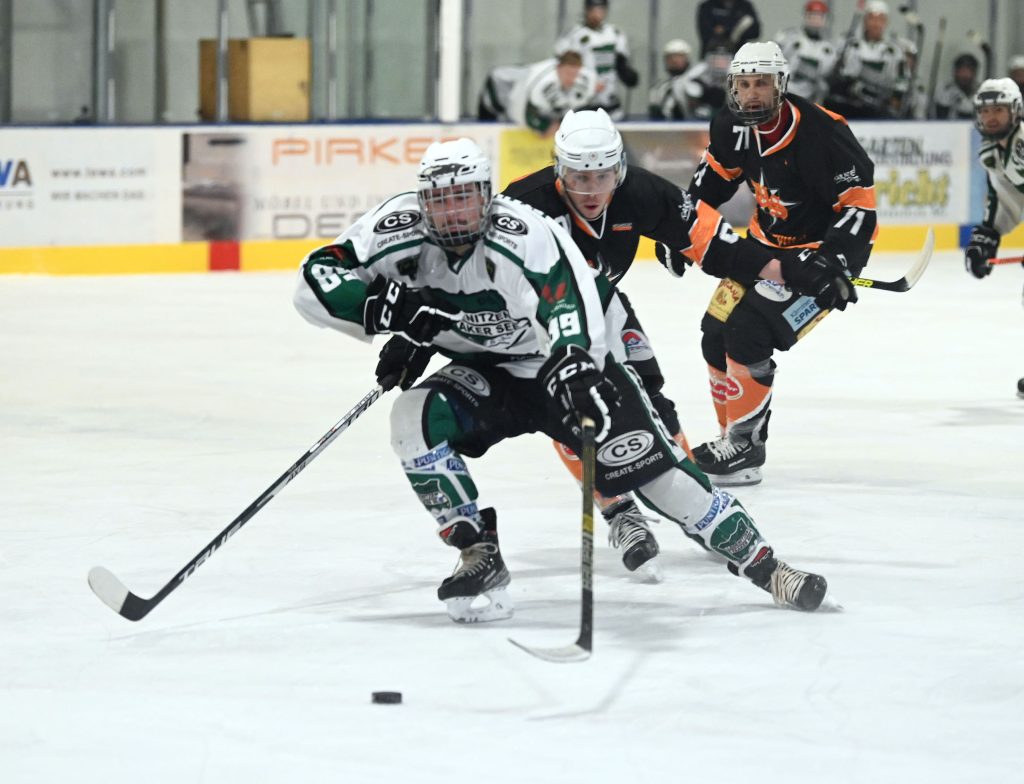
113 593
581 649
913 275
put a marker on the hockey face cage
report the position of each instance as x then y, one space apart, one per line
455 213
998 92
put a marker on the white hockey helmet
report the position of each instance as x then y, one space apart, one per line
587 140
757 57
454 189
677 46
998 92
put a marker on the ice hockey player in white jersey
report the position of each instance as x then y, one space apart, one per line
550 89
955 100
502 292
810 54
871 72
605 49
699 94
998 109
676 58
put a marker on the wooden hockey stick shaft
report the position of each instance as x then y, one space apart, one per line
1007 260
115 595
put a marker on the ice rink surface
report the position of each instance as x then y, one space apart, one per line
141 414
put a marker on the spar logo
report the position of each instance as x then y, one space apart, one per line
14 173
626 448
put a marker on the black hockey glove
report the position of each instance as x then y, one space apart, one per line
415 314
982 246
401 363
820 274
673 261
570 376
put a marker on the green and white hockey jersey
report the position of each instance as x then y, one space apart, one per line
1005 169
524 288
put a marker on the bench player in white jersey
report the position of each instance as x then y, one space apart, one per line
811 55
501 291
997 106
550 89
871 73
605 49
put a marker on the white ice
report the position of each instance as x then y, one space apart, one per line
140 415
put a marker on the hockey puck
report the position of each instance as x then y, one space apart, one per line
387 697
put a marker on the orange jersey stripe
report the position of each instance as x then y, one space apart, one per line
703 231
856 197
719 169
833 115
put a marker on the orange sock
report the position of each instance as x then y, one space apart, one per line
572 462
748 398
719 392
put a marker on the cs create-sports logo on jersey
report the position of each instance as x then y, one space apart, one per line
508 224
397 221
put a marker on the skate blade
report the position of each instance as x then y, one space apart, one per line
498 608
748 476
649 571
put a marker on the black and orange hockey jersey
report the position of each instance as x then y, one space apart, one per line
650 206
813 186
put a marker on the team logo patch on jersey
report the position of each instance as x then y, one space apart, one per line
397 221
508 224
1018 149
626 448
776 292
622 227
467 378
847 177
637 347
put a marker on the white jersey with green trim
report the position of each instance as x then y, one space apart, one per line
524 288
598 49
1004 165
538 99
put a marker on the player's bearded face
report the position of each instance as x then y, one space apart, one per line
456 211
994 120
755 92
591 191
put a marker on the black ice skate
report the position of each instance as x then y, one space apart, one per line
629 532
1020 388
481 572
789 587
731 462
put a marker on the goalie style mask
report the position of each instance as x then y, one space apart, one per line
997 92
589 160
454 189
750 101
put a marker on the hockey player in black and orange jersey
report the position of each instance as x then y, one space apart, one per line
814 188
607 207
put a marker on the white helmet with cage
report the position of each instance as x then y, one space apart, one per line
998 92
454 189
587 140
757 58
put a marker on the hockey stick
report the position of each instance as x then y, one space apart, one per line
933 77
913 275
1007 260
583 647
986 51
115 595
